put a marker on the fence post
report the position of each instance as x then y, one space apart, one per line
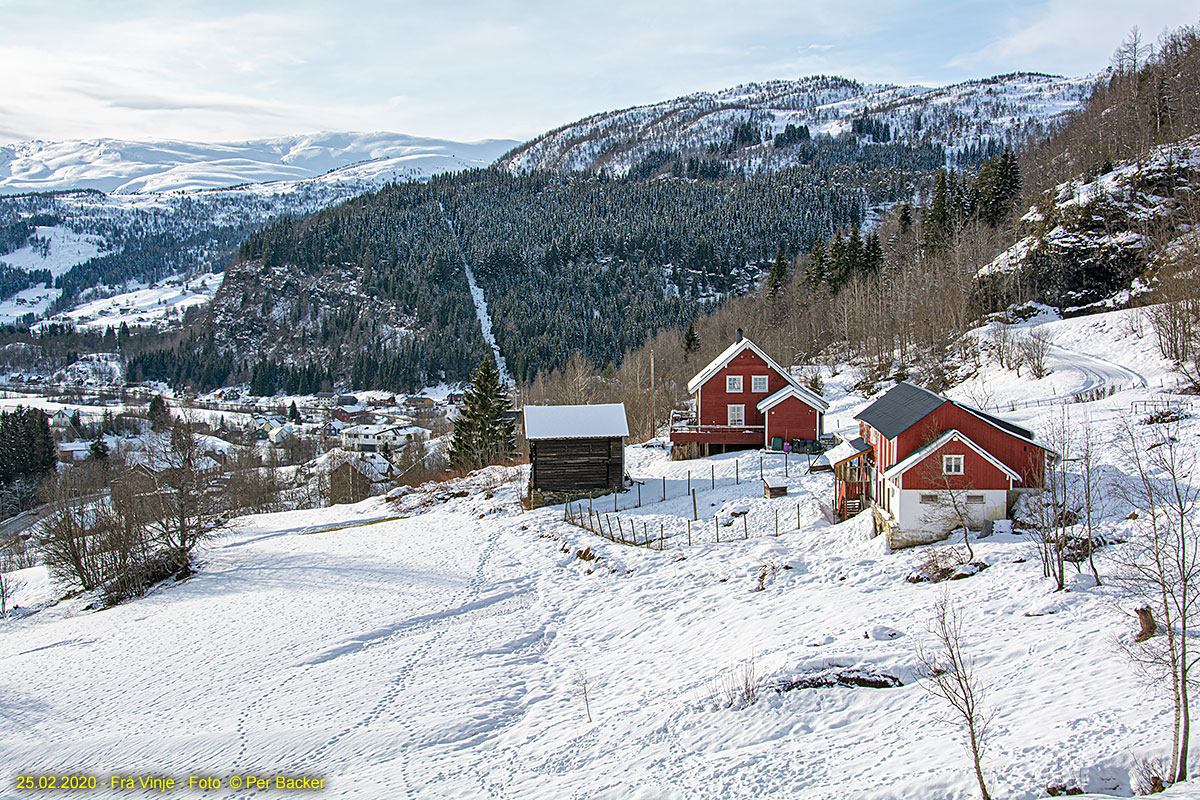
785 463
745 526
646 530
713 474
797 516
694 514
689 522
689 487
736 478
664 488
717 528
639 495
760 468
777 522
614 502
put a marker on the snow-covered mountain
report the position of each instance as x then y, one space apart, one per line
119 166
108 216
1004 109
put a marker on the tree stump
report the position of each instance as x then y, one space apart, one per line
1149 626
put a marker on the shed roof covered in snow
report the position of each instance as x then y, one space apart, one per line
600 421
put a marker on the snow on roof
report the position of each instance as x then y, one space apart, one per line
576 422
904 465
369 430
845 450
798 392
720 361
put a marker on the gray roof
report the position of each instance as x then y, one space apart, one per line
1004 424
901 407
906 404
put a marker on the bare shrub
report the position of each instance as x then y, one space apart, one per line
9 584
583 683
1147 775
736 688
937 564
1033 349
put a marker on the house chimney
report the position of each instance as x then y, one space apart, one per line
739 336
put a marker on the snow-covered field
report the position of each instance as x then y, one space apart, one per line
432 647
146 306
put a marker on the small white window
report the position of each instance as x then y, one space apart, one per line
929 499
737 414
976 499
733 383
758 383
952 465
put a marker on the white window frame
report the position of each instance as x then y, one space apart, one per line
930 498
740 410
754 383
976 499
733 383
954 464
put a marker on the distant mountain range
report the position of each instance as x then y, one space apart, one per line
117 166
160 213
998 111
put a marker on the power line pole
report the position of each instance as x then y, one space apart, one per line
652 409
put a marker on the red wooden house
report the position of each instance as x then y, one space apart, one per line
744 400
919 447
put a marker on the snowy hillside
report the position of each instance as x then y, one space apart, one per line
128 167
1094 235
1004 109
149 214
435 646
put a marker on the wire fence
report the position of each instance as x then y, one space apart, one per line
648 491
1089 395
665 531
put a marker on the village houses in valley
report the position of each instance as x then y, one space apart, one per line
745 400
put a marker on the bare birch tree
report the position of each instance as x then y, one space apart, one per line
950 676
1160 569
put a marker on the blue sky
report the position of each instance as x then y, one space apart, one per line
224 71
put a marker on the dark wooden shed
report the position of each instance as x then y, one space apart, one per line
576 448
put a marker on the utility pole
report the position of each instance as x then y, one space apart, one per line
652 409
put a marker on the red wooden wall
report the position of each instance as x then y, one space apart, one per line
792 419
978 472
714 399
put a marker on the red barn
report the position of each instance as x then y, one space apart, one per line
744 400
923 447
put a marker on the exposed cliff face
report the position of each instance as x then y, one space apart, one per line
1094 235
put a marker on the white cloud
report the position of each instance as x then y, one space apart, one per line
1075 36
513 68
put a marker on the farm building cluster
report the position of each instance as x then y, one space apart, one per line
921 463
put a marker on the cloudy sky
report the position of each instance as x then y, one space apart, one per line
223 71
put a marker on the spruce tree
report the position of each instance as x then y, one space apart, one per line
294 413
691 341
160 416
778 275
482 434
815 274
99 449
